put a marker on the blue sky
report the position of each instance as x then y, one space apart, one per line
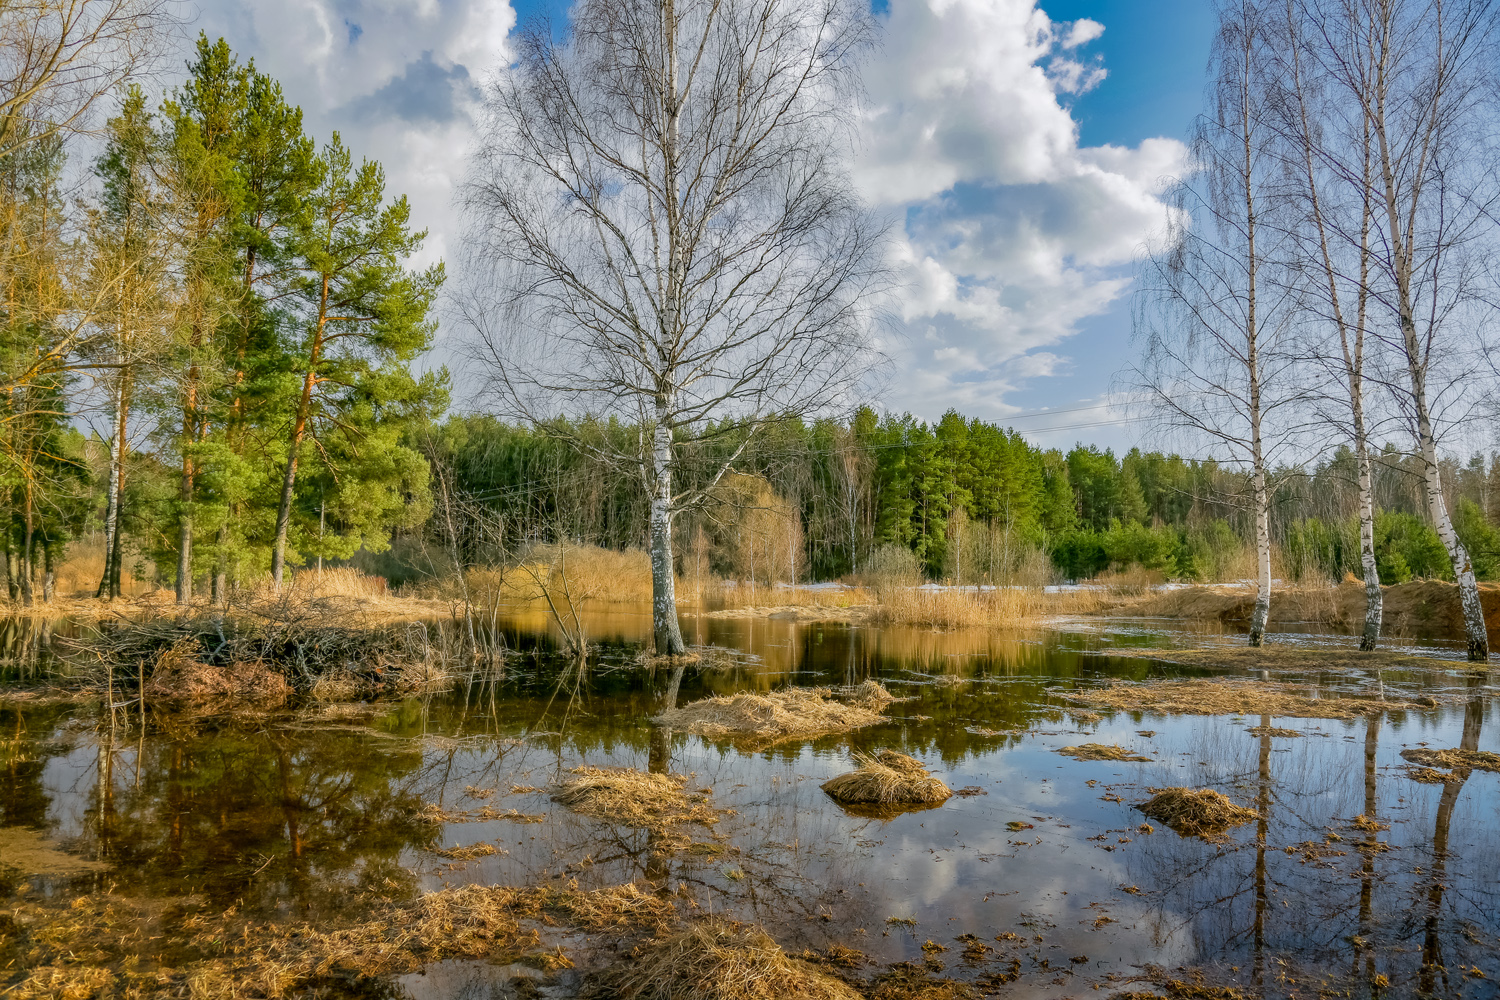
1022 151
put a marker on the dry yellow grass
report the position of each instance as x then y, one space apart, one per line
716 959
1233 696
973 608
1204 813
634 798
887 778
792 713
1098 751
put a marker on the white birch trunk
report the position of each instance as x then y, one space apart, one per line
1374 599
664 625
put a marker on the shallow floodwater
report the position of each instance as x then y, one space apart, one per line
1046 862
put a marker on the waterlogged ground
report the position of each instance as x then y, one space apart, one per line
1356 879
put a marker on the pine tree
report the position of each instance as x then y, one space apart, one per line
365 318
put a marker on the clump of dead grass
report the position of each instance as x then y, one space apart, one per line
792 713
634 798
1273 731
1231 696
1201 813
1099 751
716 959
887 778
180 678
1456 760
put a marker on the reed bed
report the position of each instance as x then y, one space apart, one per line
792 713
887 778
950 607
1203 813
716 959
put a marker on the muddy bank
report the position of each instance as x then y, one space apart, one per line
1426 609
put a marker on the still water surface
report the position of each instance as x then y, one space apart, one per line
292 816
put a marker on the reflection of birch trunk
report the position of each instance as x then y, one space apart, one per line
1367 865
1263 806
1432 942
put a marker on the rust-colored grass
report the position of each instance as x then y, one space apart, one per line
716 959
887 778
634 798
1233 696
1099 751
791 713
179 678
1201 813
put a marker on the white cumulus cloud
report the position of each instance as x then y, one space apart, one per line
1012 233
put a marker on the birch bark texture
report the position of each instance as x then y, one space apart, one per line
1420 77
664 230
1332 147
1212 310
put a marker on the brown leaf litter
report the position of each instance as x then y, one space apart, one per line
1202 813
888 779
791 713
1098 751
1234 696
634 798
716 959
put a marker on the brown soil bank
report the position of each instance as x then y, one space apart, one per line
1428 608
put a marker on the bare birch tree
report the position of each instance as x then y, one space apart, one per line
1332 149
1417 71
1211 314
667 233
59 57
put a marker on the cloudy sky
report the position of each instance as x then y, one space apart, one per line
1022 147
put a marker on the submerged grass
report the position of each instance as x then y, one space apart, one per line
1457 760
1098 751
1234 696
1201 813
716 959
634 798
103 946
778 715
887 778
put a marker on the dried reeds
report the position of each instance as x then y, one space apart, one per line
1098 751
716 959
887 778
634 798
179 678
792 713
1230 696
953 607
1202 813
1455 760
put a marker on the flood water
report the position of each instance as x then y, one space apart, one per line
295 816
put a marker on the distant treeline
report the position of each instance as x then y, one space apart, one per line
959 499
